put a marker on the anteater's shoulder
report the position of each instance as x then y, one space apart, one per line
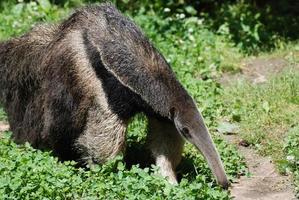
41 34
38 37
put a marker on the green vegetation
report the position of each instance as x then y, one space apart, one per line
2 114
27 173
200 47
291 149
16 18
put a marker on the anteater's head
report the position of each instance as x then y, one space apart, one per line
191 126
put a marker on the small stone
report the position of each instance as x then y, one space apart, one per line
244 143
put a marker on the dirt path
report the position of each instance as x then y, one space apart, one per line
264 183
256 70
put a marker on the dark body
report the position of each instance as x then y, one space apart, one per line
72 88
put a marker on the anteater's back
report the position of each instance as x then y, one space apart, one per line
20 60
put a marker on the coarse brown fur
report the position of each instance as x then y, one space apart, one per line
72 88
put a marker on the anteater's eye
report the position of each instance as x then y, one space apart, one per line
186 133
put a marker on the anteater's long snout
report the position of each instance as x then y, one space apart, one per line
192 127
205 145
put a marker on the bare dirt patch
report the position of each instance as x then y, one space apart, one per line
4 126
264 182
256 70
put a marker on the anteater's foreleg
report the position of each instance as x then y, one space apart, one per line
166 146
103 137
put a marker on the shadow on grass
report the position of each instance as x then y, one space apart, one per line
137 154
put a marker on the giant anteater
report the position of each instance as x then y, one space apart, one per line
73 87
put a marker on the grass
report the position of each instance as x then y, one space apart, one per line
2 114
18 18
266 112
291 163
38 175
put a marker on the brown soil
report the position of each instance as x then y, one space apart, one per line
4 126
256 70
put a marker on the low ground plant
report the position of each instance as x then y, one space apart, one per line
291 149
2 114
